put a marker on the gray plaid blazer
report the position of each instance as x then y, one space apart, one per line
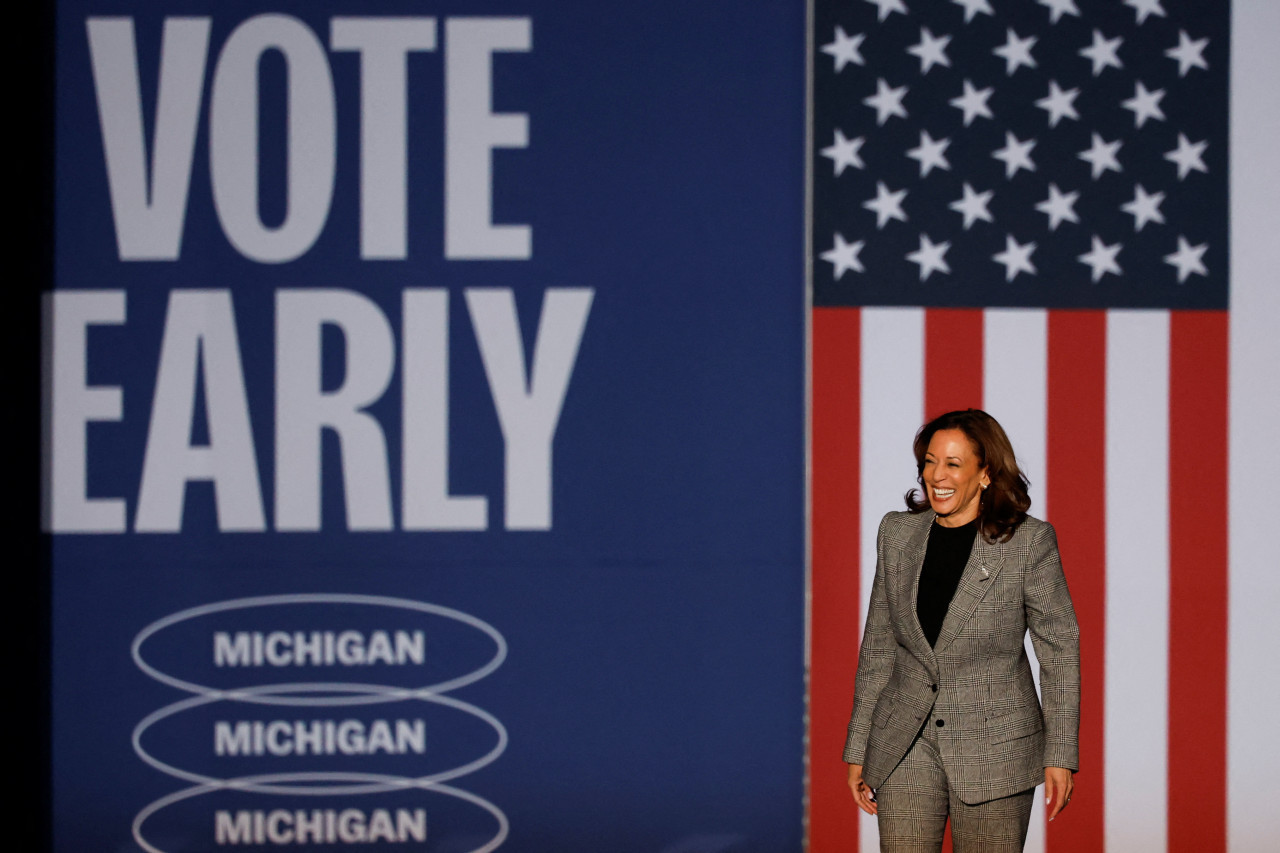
994 738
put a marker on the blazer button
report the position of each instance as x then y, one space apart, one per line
933 687
939 724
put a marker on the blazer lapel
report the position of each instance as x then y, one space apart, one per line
985 561
917 541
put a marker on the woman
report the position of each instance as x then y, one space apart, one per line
945 715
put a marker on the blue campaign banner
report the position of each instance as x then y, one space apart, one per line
424 397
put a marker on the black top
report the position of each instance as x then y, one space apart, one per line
944 561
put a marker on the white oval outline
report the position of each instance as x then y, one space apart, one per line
314 598
448 790
213 782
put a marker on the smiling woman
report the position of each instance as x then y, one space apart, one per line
946 723
961 445
953 479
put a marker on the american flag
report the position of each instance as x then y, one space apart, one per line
1023 206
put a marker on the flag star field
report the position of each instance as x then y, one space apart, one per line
1058 154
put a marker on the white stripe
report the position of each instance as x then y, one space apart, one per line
1136 719
1253 817
1015 387
892 407
1015 392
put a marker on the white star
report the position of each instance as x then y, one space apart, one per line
1188 156
973 7
1059 104
1144 208
1190 54
973 206
1101 259
1059 206
1188 259
1103 52
844 256
888 7
973 102
930 153
887 205
931 51
1016 52
930 256
844 152
1016 258
1016 155
845 49
1144 104
1058 8
1101 156
887 101
1143 8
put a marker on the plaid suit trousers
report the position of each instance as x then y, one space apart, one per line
916 799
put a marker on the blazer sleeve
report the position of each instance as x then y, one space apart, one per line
1055 636
875 659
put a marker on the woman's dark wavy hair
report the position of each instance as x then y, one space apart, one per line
1004 504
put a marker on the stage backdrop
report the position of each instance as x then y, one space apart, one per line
426 406
425 415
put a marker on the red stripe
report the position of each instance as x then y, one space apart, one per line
836 425
1198 380
952 359
1076 462
953 368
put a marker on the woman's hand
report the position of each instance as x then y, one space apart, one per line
862 795
1058 784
